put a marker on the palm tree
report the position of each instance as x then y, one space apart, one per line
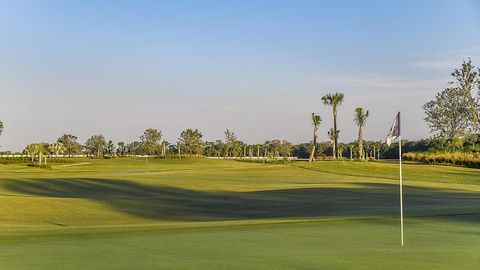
334 100
360 119
331 135
340 150
316 120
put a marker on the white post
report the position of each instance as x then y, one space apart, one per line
401 185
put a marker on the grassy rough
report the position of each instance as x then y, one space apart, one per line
217 214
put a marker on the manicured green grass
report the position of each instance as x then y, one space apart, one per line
217 214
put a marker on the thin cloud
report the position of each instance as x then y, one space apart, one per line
453 60
436 64
374 82
472 50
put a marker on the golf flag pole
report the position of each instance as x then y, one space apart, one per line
401 185
392 136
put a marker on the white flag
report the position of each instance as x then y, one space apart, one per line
394 131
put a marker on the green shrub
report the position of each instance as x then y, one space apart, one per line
283 160
43 166
23 160
468 159
14 160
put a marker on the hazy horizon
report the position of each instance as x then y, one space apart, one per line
258 68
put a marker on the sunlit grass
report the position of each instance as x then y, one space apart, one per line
216 214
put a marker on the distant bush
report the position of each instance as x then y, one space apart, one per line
43 166
22 160
14 160
264 161
455 158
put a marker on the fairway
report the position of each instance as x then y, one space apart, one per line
128 213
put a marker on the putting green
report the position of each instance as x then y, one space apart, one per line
217 214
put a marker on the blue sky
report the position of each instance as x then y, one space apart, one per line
256 67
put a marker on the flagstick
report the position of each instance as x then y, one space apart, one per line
401 185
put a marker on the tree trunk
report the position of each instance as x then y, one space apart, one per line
335 134
312 153
334 150
360 143
314 145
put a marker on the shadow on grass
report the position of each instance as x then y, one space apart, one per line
170 203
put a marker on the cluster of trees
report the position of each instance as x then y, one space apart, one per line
371 149
232 147
453 115
97 146
190 142
350 150
360 118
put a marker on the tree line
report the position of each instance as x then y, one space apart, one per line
151 143
453 117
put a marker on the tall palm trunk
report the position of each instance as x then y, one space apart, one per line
314 145
335 133
334 149
360 143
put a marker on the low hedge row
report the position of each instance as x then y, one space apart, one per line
183 156
456 158
14 160
21 160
